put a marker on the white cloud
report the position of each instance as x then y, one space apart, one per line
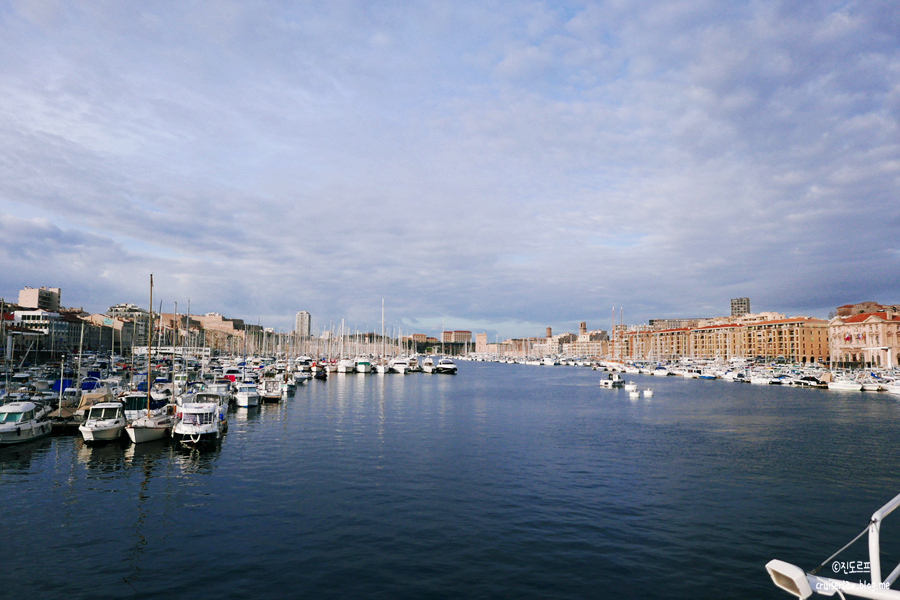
503 164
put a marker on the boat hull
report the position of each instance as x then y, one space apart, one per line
24 433
101 434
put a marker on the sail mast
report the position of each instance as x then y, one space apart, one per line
150 346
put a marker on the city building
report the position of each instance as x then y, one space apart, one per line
456 337
866 339
303 324
40 298
740 306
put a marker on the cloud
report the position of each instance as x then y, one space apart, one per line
489 164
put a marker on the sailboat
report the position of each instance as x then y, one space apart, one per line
382 366
156 424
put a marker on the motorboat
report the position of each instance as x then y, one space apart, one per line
399 365
428 365
446 366
247 394
23 422
631 386
802 584
269 388
199 424
346 365
105 422
612 382
362 364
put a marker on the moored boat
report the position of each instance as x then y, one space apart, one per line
445 366
200 424
105 422
23 422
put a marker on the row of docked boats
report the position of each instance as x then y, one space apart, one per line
187 406
382 365
787 375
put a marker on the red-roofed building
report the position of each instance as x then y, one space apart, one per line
867 339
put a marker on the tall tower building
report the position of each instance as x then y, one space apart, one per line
740 307
303 324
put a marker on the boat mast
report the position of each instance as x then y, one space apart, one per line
150 346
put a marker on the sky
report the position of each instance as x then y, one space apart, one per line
497 167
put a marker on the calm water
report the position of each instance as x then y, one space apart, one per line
505 481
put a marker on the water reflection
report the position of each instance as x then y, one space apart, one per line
100 459
18 458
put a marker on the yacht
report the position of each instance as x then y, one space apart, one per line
23 422
399 365
445 366
362 364
105 422
428 365
247 395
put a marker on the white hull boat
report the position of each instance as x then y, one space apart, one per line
200 424
150 428
445 366
247 395
399 365
105 422
23 422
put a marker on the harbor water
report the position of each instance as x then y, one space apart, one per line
504 481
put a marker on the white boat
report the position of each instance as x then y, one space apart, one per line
223 387
801 584
200 424
612 382
151 427
845 384
413 364
648 393
23 422
269 388
660 371
247 395
346 365
428 365
105 422
445 366
631 386
399 365
362 364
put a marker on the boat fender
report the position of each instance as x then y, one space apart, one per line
18 432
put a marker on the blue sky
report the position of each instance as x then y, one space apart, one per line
491 166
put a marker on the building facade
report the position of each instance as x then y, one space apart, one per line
40 298
303 324
740 307
866 339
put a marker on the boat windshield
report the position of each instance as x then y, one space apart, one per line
10 417
104 413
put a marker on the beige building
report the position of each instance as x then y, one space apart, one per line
43 298
871 339
798 339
